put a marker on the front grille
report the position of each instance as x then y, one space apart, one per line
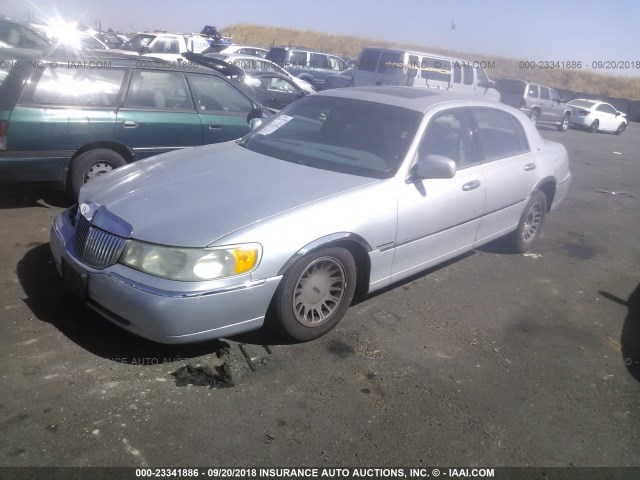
96 247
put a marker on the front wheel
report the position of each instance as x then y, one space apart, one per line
92 164
530 224
621 128
315 293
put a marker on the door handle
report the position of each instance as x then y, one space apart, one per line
215 126
129 124
471 185
529 166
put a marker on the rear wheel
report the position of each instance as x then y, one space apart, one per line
564 125
534 116
593 128
92 164
315 293
531 221
621 128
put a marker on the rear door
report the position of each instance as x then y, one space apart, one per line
158 115
510 169
222 108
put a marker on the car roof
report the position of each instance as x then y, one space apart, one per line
412 98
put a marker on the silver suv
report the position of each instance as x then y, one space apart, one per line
542 104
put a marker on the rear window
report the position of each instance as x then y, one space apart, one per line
581 103
511 86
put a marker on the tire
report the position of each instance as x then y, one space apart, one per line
564 125
534 116
621 128
92 164
315 293
531 222
593 128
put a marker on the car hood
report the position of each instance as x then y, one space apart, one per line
194 196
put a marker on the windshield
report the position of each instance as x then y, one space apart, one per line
338 134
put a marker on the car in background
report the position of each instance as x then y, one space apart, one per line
393 66
310 65
18 35
237 50
252 65
68 36
595 116
165 46
111 40
340 80
541 103
344 191
70 125
273 90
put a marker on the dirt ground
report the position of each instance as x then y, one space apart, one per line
491 360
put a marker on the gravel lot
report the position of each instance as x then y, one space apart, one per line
491 360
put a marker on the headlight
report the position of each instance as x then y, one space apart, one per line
191 264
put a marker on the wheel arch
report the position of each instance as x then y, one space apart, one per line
547 186
354 243
119 148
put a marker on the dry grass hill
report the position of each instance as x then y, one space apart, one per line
349 46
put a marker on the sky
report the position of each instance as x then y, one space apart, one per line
540 30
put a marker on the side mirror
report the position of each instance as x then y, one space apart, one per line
434 166
255 114
255 123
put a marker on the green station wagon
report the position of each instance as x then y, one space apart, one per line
70 119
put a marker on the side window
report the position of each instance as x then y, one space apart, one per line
412 68
533 91
554 95
468 75
482 76
457 73
165 45
298 59
606 108
277 84
544 93
213 94
336 64
97 87
368 60
318 60
500 134
161 90
448 134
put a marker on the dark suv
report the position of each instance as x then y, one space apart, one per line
69 119
542 104
309 65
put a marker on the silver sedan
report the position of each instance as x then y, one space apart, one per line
344 191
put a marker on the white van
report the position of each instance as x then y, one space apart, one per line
387 66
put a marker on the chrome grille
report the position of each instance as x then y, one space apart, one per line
96 247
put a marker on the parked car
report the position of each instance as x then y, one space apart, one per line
391 66
237 50
309 65
110 39
68 36
273 90
541 103
19 35
340 80
252 65
165 46
345 190
62 123
595 115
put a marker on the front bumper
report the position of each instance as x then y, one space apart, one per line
156 310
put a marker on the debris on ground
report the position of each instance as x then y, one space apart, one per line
604 190
218 377
532 255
